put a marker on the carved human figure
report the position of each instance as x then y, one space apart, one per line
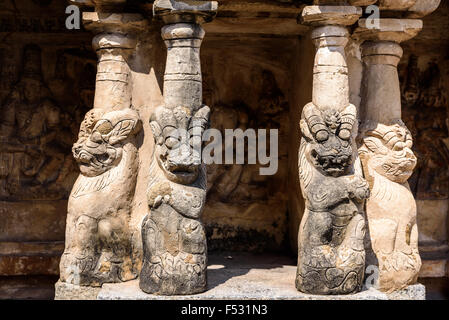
422 92
223 179
174 240
98 247
388 162
34 138
331 256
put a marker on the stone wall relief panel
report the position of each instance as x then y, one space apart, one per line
37 131
426 114
426 110
246 210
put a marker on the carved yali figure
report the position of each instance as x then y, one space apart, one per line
331 256
174 240
388 162
98 246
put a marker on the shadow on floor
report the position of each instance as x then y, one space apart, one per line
42 287
241 263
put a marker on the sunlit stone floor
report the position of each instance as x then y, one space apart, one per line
250 272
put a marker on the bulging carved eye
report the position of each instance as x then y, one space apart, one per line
104 127
96 137
398 146
322 135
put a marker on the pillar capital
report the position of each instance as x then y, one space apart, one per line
394 5
422 8
381 52
101 5
320 15
413 8
395 30
362 3
189 11
124 23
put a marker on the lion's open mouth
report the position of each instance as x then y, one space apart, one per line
330 163
83 156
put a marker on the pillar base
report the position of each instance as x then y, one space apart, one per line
244 277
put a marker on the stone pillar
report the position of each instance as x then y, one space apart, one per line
98 237
388 161
174 239
331 256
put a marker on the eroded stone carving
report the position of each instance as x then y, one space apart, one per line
388 162
174 239
35 138
385 148
98 247
422 91
331 253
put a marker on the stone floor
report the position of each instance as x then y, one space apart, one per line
263 276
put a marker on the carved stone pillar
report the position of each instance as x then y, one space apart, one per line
388 161
331 256
174 239
98 240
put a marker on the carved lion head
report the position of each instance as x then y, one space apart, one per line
328 134
388 150
177 135
101 138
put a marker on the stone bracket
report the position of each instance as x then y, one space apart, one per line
189 11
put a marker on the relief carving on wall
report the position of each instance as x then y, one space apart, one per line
240 183
388 161
246 210
426 113
35 138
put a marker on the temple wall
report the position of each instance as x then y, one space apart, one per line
250 81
